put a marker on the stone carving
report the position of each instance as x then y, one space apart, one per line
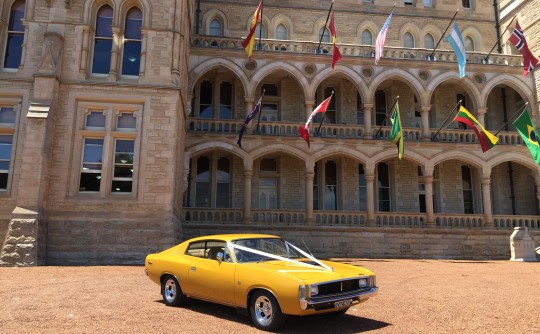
522 245
50 54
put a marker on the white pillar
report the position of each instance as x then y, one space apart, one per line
486 198
368 108
426 136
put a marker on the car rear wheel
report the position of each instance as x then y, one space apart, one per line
265 311
171 291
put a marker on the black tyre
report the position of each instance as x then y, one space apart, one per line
265 311
171 291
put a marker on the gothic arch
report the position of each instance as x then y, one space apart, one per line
472 89
476 37
520 158
212 63
281 19
345 71
278 148
412 29
128 4
433 31
366 25
201 148
212 14
409 155
461 156
333 150
270 67
506 79
407 77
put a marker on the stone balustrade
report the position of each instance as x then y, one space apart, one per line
352 50
448 220
510 222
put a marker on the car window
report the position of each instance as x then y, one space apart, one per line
272 246
209 250
197 249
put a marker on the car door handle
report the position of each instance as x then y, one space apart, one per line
193 269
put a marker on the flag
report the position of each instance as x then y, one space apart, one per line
456 41
487 140
519 41
525 127
336 55
381 38
396 136
254 111
249 42
303 130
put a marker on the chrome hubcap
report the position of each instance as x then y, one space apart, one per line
263 310
170 290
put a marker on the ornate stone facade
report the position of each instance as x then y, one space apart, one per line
122 118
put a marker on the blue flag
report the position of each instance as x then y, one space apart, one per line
456 41
254 111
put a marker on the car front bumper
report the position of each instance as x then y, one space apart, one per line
338 302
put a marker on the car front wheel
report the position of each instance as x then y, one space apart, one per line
171 291
265 311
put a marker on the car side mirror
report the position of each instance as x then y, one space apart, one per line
219 257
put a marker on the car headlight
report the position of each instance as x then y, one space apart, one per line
363 283
313 290
302 292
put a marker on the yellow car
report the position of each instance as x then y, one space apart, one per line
261 273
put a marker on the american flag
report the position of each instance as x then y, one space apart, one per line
381 38
519 41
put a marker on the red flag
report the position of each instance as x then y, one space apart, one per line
249 42
336 55
519 41
303 130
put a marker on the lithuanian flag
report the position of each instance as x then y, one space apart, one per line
249 42
487 140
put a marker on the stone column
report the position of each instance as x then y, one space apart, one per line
310 173
426 135
481 113
368 108
142 65
309 107
486 198
115 50
370 198
248 174
428 182
249 104
83 67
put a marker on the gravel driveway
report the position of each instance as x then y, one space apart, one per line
415 296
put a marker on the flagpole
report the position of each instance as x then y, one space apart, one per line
385 117
442 36
260 112
324 117
260 36
446 120
508 26
520 110
327 17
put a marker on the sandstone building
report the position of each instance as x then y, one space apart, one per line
119 122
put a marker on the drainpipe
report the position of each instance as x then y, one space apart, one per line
497 25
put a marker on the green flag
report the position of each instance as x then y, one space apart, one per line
396 136
525 127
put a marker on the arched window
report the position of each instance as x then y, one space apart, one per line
367 37
429 42
325 35
15 35
214 29
469 44
281 32
408 40
260 33
101 62
131 61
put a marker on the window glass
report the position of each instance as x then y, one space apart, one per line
7 115
367 37
466 3
95 119
408 40
281 32
123 166
5 158
469 44
383 182
205 102
270 89
260 33
359 110
15 36
225 100
466 178
202 187
429 42
330 191
91 165
428 3
215 28
380 107
362 189
223 183
132 44
268 165
331 111
101 62
325 35
316 188
127 121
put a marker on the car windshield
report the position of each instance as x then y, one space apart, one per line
273 246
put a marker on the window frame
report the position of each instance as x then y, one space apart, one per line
9 32
7 130
131 40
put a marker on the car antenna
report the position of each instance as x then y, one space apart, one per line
310 253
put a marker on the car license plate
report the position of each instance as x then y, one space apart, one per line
342 303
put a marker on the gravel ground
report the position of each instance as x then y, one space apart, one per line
415 296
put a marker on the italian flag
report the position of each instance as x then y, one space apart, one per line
487 140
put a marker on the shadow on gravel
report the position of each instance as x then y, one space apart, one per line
323 323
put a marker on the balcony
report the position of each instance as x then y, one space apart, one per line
352 50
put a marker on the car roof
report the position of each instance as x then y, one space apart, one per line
230 237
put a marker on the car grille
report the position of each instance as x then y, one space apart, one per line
339 288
